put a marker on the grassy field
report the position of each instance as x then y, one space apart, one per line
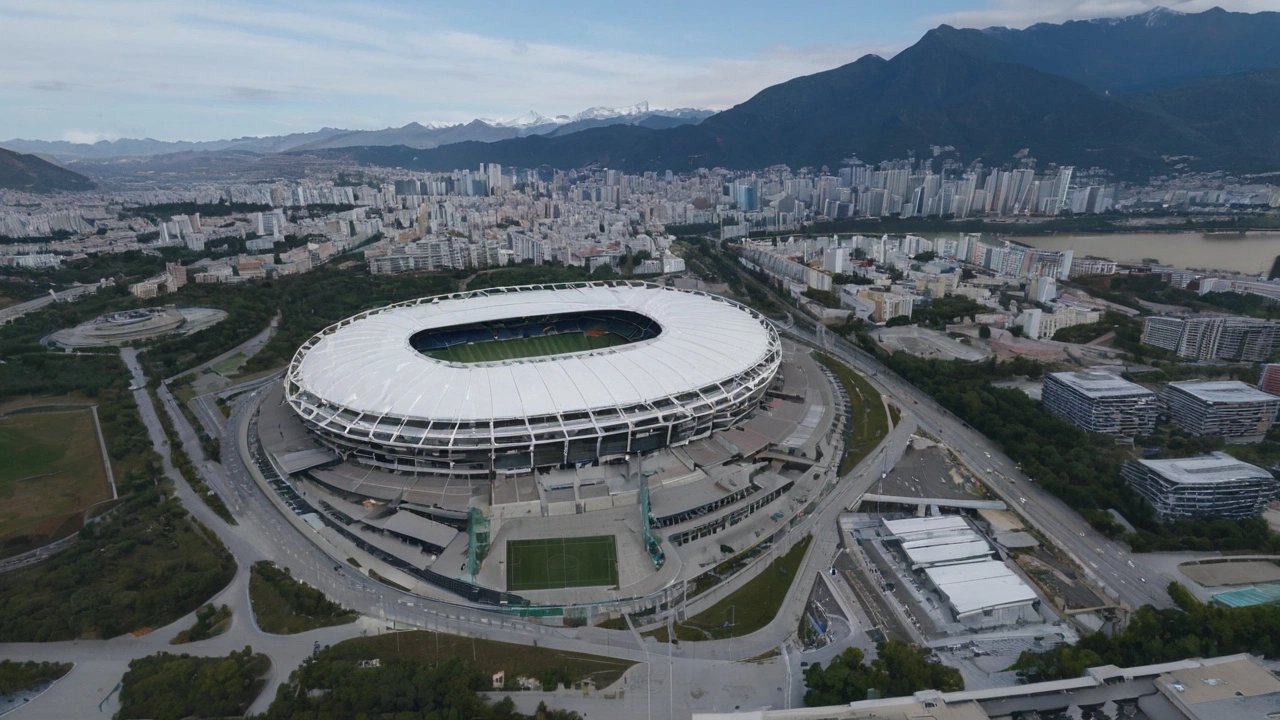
489 655
870 421
231 365
526 347
561 563
51 470
746 609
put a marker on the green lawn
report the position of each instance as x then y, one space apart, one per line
489 655
748 608
231 365
870 421
561 563
50 470
540 346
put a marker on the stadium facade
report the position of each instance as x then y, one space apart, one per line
442 385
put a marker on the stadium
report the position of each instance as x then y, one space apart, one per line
516 379
585 445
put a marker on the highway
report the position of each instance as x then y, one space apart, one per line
1108 564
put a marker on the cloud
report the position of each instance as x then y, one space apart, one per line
1022 13
55 86
258 66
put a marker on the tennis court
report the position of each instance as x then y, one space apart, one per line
555 563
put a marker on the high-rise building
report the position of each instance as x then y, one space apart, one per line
1209 486
1212 337
1228 408
1100 402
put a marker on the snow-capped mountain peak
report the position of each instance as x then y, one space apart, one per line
530 119
604 113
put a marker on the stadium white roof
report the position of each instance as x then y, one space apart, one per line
977 586
368 365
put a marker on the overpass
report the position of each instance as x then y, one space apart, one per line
925 502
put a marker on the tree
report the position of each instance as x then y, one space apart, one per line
984 332
900 669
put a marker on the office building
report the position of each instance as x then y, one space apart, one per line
1228 408
1100 402
1209 486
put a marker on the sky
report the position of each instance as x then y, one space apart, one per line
88 70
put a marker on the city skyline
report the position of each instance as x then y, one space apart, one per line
141 69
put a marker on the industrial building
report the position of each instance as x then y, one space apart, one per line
1228 408
1100 402
958 563
1209 486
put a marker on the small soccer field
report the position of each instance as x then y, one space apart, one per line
557 563
540 346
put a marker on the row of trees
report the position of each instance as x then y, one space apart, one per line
899 669
1192 629
16 677
446 690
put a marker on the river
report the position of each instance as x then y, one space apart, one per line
1251 254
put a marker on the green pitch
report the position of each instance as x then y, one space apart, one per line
561 563
526 347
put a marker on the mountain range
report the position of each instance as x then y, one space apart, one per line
32 174
414 135
1139 96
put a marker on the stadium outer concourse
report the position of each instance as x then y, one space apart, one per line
677 366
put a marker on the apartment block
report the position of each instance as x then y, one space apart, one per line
1209 486
1228 408
1100 402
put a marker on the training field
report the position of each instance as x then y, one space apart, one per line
50 470
526 347
557 563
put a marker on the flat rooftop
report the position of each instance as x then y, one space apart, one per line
1236 678
1099 384
1223 391
1212 468
975 586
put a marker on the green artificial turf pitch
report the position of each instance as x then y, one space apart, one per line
558 563
539 346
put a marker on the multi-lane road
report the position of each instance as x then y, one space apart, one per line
1108 564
